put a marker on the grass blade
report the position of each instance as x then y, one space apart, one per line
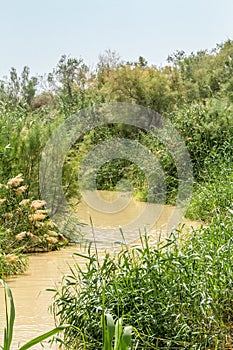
8 330
126 337
42 337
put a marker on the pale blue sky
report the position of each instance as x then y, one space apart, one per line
37 33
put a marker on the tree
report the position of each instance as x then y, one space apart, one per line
146 86
70 81
108 61
19 88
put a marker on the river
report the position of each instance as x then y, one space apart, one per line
29 290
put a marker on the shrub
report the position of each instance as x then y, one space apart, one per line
213 194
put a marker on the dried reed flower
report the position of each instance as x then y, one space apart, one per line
8 215
38 250
20 190
52 233
39 224
42 211
36 217
34 238
2 201
62 239
24 202
51 224
20 236
15 181
11 258
37 204
51 240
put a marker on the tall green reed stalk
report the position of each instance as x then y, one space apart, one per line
115 337
10 319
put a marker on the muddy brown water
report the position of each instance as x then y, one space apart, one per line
45 270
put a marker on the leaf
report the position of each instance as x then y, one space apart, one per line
42 337
118 332
110 326
8 330
230 210
126 337
108 331
8 146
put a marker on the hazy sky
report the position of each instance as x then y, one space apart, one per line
37 32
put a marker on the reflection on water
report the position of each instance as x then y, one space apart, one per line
29 291
109 210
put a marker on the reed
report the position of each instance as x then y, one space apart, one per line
177 295
10 319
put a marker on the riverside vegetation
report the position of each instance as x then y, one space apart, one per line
176 294
25 227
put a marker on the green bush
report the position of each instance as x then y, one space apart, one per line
213 194
206 128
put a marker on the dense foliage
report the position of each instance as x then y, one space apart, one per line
176 296
194 92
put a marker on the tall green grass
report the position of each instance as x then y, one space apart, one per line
177 296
